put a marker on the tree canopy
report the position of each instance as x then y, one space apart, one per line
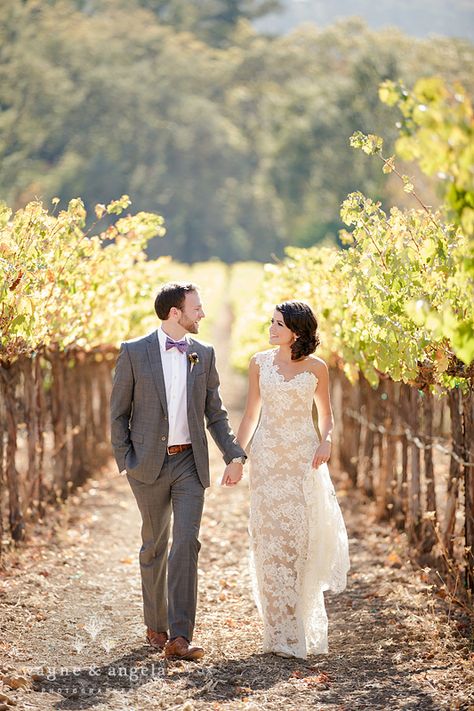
239 140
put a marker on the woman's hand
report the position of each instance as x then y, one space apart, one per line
322 454
233 474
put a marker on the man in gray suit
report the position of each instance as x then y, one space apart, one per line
165 386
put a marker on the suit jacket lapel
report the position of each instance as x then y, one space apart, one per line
190 378
154 356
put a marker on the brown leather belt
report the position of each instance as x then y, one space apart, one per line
177 448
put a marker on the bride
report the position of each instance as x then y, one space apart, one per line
298 540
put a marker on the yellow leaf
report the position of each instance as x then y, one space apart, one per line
393 560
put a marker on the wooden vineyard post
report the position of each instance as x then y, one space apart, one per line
392 438
366 466
414 498
88 413
27 371
381 491
103 377
468 417
386 454
429 524
59 422
102 387
454 469
356 403
17 528
74 398
404 397
41 419
349 442
2 477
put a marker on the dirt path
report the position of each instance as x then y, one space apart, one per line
72 635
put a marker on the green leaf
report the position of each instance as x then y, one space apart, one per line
407 184
116 207
389 165
389 93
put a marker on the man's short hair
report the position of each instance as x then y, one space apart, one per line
172 294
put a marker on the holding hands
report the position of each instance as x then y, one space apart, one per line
233 473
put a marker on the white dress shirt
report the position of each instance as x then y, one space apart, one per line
175 372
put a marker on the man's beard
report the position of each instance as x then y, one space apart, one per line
190 326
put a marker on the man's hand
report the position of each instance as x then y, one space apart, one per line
233 473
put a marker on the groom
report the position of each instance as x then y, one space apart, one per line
165 384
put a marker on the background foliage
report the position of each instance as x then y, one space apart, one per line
399 301
239 140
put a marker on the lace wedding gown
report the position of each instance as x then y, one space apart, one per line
298 539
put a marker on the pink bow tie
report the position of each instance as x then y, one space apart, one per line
182 346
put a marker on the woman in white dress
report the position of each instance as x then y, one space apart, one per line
298 540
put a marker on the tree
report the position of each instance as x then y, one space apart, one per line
213 21
243 149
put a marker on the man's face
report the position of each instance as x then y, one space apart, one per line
192 312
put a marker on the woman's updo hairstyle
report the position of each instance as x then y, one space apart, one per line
300 319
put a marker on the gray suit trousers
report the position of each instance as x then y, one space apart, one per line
169 582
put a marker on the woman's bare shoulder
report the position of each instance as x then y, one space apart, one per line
317 365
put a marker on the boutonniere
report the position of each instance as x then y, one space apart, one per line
193 359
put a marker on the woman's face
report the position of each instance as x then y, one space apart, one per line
280 334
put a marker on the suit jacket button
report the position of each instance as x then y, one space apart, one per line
163 438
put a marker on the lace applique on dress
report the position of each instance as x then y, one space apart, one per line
298 539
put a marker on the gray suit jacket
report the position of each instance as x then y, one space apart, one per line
139 413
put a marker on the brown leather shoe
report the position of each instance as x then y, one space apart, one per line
156 639
180 648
